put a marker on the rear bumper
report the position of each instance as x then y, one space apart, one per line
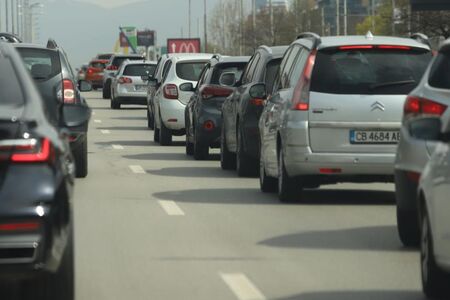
131 100
172 114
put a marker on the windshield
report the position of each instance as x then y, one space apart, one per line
236 68
190 70
439 73
369 72
10 88
139 70
119 60
43 64
97 65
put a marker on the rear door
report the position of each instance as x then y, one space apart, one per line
188 71
45 68
357 97
135 72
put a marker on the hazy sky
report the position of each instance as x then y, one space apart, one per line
87 27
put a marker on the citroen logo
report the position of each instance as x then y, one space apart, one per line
378 105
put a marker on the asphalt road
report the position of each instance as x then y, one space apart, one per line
152 223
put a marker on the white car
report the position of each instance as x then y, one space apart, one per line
129 85
434 208
180 72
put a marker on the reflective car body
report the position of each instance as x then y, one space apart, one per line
94 73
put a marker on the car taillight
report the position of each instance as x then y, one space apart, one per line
421 106
368 47
19 226
125 80
112 68
210 91
170 91
90 71
257 102
300 99
68 91
28 150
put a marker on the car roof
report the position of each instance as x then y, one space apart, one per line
137 62
35 46
337 41
234 59
276 51
127 55
191 56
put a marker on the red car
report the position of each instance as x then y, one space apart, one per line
94 73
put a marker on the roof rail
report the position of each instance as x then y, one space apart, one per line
267 48
216 56
51 44
310 35
421 38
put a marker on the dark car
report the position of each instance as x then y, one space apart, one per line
111 69
203 111
36 183
51 71
241 112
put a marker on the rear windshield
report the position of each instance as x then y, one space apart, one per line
10 89
119 60
236 68
190 70
372 72
139 70
104 56
43 64
98 65
440 72
271 72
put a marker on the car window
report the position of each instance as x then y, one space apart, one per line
43 64
277 81
119 60
284 75
236 68
204 75
139 70
98 65
104 56
245 74
369 71
166 69
251 71
190 70
271 72
10 90
297 69
439 73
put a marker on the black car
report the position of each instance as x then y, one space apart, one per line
203 111
51 71
241 112
36 183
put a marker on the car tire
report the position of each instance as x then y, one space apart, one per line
106 93
227 158
246 166
435 282
165 135
407 223
150 122
289 189
201 151
155 131
81 159
266 183
189 145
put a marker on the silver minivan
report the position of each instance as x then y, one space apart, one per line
335 111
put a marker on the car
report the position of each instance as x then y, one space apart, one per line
81 72
9 38
94 73
50 68
430 98
335 110
129 86
111 69
180 73
240 113
36 185
432 196
104 56
203 111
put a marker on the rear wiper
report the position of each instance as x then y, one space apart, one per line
392 83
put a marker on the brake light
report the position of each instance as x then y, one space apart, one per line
413 176
211 91
209 125
330 171
357 47
112 68
170 91
367 47
300 99
28 150
257 102
125 80
393 47
25 226
417 106
90 71
68 91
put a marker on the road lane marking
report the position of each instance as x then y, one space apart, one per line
97 121
117 147
137 169
171 208
105 131
93 113
242 287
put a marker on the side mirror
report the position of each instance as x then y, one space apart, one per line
227 79
84 86
258 91
187 87
428 128
75 115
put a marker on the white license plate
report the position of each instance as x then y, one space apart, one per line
374 136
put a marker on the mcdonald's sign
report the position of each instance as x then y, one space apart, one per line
183 46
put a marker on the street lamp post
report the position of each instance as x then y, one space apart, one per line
205 27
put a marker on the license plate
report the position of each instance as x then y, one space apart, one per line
374 136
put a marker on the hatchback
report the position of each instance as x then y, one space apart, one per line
335 112
94 73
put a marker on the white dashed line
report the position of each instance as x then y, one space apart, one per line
137 169
242 287
117 147
97 121
105 131
171 208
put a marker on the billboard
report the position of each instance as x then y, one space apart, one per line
183 45
430 5
146 38
128 37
